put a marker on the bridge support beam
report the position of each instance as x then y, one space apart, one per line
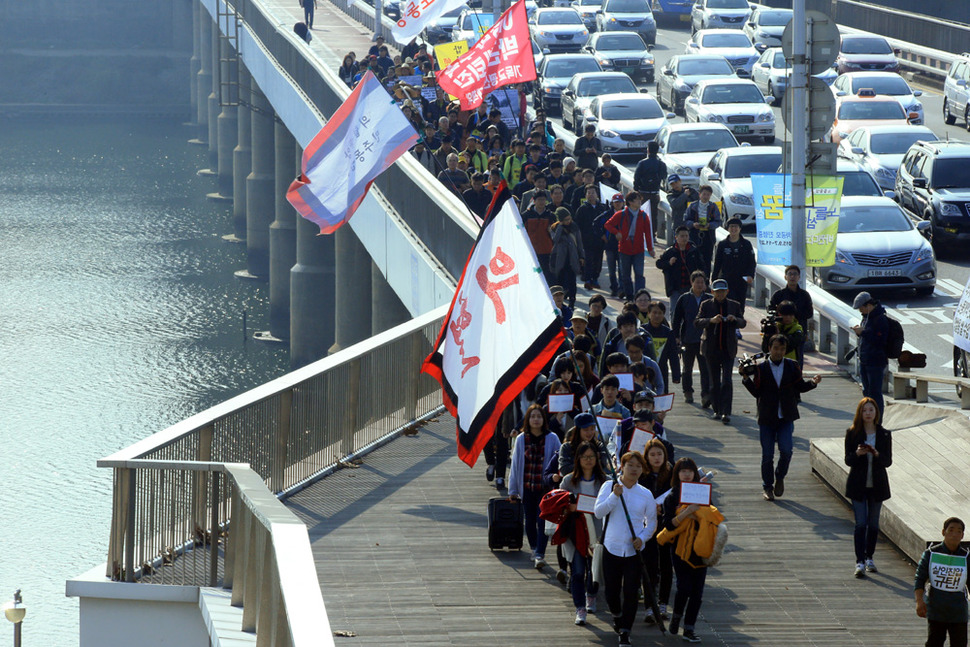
387 310
203 80
212 100
312 293
260 204
353 304
242 159
227 125
195 63
282 236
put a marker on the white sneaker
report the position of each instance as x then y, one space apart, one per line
591 603
860 570
871 566
580 616
540 562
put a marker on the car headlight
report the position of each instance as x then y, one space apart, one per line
551 89
612 19
766 116
924 253
841 257
683 170
949 209
715 118
604 61
584 33
916 107
887 173
741 199
646 61
606 132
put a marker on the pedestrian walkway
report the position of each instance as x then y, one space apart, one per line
401 551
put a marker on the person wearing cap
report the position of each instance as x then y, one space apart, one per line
425 157
734 261
584 431
544 126
689 337
678 197
647 178
512 170
477 160
677 263
477 122
567 256
565 311
586 215
873 334
631 226
537 220
580 330
703 218
719 318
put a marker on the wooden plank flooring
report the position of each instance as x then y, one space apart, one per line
402 557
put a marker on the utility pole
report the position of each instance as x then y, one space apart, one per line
799 133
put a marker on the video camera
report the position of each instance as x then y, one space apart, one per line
748 365
769 325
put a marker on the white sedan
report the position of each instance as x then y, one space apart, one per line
626 123
732 44
686 148
882 83
880 149
737 103
729 174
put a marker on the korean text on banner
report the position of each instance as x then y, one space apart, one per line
961 321
364 137
772 199
418 14
502 56
448 53
501 330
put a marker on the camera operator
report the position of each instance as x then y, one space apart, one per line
804 308
776 383
720 318
783 322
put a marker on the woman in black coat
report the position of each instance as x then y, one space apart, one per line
868 452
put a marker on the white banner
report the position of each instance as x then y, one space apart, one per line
961 321
418 14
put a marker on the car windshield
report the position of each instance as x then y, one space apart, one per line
779 61
556 69
739 166
895 143
559 18
747 93
472 21
627 6
853 220
725 40
865 110
706 67
591 3
953 173
774 18
727 4
620 41
596 87
700 141
857 45
892 85
858 183
633 109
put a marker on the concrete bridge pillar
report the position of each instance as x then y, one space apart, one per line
242 160
203 80
212 100
312 293
260 184
227 125
353 303
387 310
195 63
282 235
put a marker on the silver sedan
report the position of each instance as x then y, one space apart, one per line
880 149
626 123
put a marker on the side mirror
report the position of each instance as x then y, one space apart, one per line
962 83
671 115
546 50
714 177
650 49
919 182
769 99
857 151
644 90
766 65
918 93
567 93
841 93
751 25
667 72
692 100
591 118
924 227
889 194
896 51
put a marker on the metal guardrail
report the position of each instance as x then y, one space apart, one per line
202 495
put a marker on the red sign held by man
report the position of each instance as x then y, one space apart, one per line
503 55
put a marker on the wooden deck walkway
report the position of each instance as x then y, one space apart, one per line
402 557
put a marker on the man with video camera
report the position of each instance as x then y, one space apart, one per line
776 383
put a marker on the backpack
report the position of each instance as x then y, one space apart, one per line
895 339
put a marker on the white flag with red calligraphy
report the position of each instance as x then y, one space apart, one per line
418 14
501 330
503 55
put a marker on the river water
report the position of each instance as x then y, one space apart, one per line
119 315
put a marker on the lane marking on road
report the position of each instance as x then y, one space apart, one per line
923 316
949 288
947 338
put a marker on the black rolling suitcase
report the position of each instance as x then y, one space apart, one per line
504 524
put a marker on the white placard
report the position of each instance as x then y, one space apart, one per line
640 439
606 425
695 493
663 402
663 497
585 503
961 321
626 380
561 403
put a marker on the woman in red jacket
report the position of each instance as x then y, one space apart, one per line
632 228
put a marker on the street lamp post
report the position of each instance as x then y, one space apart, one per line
14 611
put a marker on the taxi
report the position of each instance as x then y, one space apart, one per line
866 109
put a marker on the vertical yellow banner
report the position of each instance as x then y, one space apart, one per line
448 53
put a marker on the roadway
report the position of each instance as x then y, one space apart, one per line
927 321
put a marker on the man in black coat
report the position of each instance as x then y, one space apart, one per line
734 262
650 172
776 384
720 318
678 197
678 262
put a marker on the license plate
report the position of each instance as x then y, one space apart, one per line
685 17
741 130
628 70
876 273
637 144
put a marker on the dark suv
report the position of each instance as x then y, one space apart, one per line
933 182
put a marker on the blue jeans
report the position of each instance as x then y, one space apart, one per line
872 377
535 528
781 433
580 580
866 527
632 262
